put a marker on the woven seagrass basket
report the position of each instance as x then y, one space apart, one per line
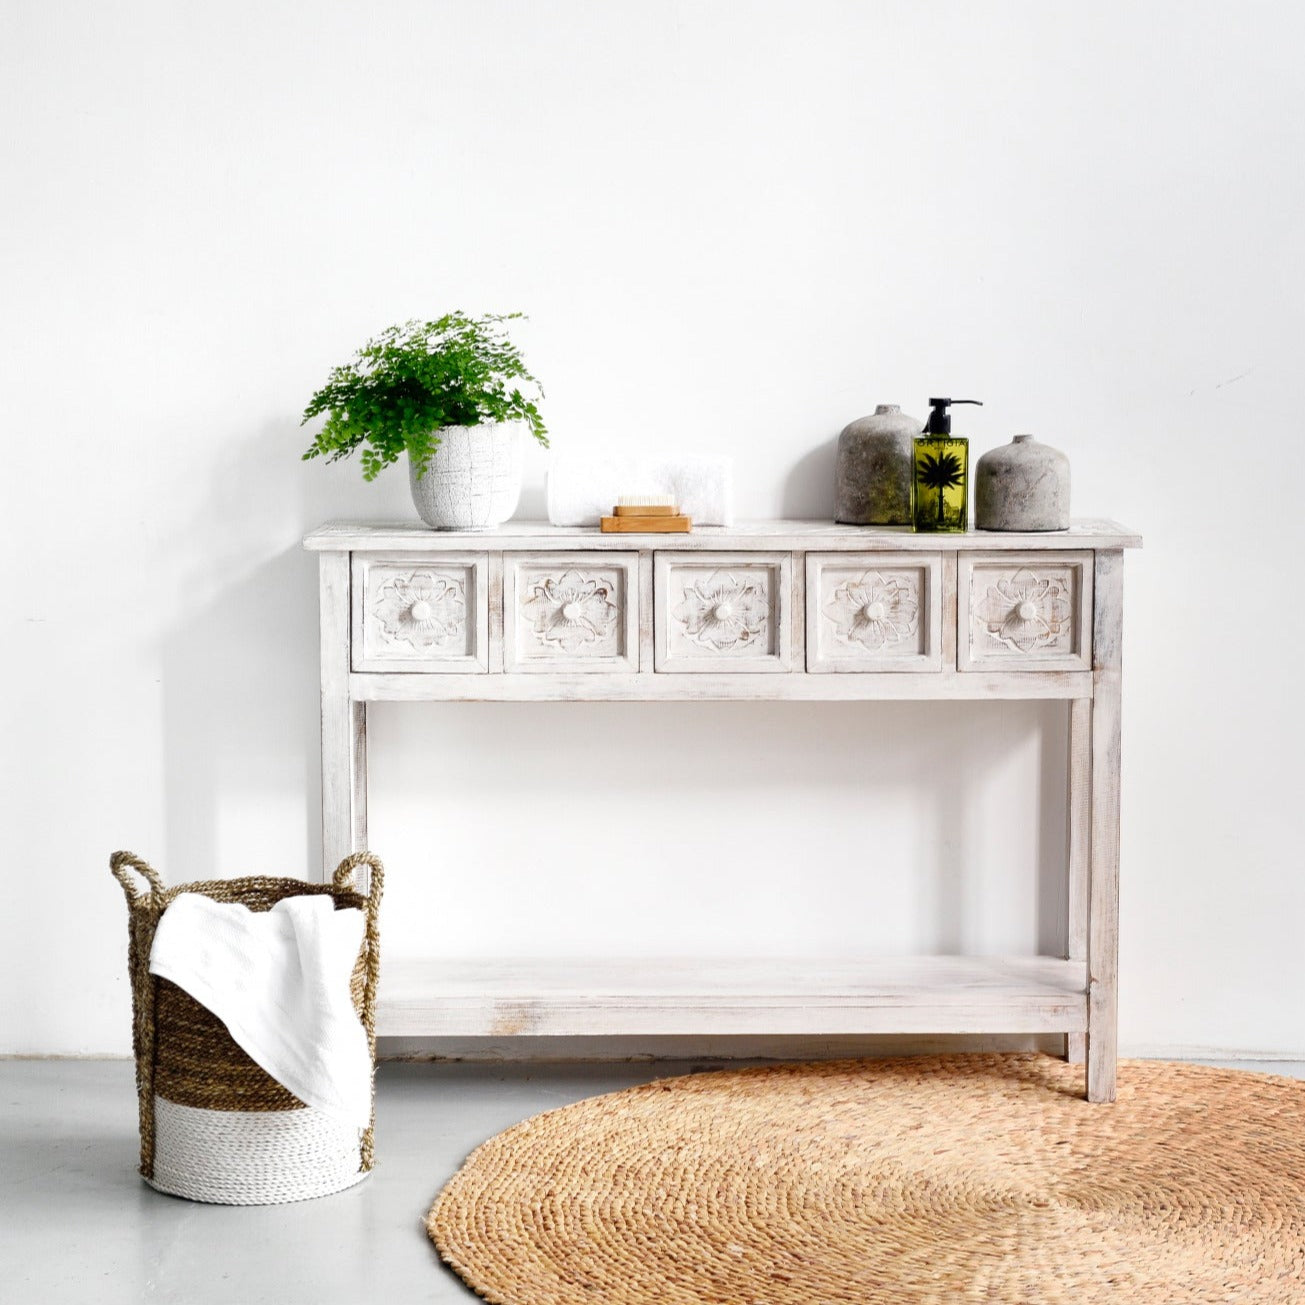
214 1126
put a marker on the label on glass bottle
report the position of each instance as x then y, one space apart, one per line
941 483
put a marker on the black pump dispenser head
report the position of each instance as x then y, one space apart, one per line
940 420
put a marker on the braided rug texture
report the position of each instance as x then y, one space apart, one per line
964 1178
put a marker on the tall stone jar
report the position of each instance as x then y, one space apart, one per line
872 482
1023 485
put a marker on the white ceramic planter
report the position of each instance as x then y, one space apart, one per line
474 480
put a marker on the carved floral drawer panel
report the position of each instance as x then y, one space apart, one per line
420 613
571 612
723 612
874 612
1025 612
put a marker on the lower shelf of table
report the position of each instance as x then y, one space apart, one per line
918 994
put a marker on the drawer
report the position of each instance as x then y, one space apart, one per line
1025 612
723 612
417 613
874 612
571 612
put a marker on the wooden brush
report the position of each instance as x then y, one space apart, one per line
646 505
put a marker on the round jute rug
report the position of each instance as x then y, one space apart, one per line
965 1178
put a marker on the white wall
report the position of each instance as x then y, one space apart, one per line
735 227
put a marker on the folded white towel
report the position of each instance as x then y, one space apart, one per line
582 490
279 981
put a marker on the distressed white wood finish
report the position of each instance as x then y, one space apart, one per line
1029 611
874 612
571 612
344 722
914 994
421 613
950 573
646 604
495 614
1103 890
723 686
722 612
797 615
775 535
799 566
1078 805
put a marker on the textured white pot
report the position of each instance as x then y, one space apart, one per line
474 480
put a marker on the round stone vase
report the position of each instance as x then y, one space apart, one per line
1022 485
473 481
872 481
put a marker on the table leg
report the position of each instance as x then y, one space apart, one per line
1103 897
1079 801
344 725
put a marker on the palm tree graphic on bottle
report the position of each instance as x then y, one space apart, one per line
941 464
940 472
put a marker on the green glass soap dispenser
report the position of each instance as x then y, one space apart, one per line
940 490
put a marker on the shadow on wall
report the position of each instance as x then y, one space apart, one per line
240 669
809 486
809 494
738 828
241 726
1052 805
240 721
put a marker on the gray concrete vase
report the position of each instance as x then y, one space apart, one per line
1023 485
872 480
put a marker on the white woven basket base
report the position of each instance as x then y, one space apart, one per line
256 1157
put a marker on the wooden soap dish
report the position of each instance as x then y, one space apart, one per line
671 524
650 517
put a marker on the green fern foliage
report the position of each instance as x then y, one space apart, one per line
412 380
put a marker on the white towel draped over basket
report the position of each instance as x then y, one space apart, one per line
279 981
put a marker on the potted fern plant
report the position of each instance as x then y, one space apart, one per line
455 396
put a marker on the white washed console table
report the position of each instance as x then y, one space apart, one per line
760 611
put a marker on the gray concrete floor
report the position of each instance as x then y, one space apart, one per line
78 1225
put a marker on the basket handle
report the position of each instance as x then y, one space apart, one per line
122 864
343 878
